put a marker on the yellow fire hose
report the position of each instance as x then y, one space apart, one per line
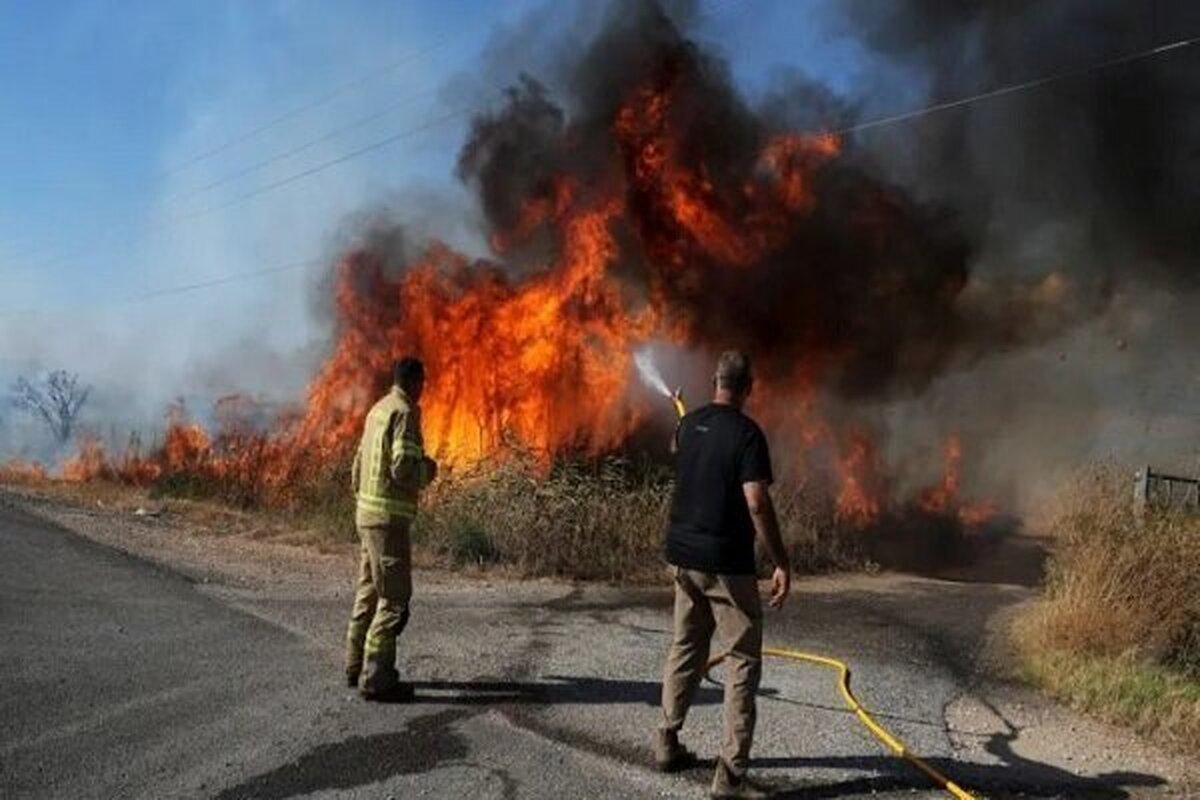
878 731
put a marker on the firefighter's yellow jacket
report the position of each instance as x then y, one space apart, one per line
390 468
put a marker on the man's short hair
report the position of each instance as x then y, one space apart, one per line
733 371
408 371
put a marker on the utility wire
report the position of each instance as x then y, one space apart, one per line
180 196
1010 89
264 189
353 83
224 279
720 5
54 259
316 102
233 277
1005 90
1020 87
291 114
298 149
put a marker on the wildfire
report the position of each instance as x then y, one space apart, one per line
941 498
20 471
858 499
662 212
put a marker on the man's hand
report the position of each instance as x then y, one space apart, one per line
766 527
781 584
677 399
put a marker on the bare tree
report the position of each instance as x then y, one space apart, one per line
56 401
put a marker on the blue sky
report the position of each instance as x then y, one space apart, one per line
105 106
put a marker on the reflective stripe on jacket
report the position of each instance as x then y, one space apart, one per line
389 468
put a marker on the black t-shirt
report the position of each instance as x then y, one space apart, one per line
719 449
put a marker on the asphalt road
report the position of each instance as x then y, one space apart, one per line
124 679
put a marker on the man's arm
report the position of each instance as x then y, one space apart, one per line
356 471
766 527
410 466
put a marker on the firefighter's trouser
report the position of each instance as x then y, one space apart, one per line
730 605
381 598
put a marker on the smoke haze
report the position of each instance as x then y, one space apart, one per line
1021 271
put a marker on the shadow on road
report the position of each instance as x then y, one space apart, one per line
1015 776
421 745
551 690
1021 779
430 741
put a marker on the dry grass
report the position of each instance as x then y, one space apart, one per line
591 520
583 518
1118 630
588 519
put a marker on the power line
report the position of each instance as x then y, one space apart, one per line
54 259
1026 85
300 148
224 279
349 85
293 113
178 197
233 277
1020 87
317 102
266 188
1005 90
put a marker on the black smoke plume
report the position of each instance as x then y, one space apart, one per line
881 283
1107 162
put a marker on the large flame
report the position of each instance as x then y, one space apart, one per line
540 354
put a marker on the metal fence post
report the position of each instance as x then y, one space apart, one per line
1141 490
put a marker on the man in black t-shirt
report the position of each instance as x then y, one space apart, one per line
721 503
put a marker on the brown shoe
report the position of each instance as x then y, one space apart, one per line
670 755
727 785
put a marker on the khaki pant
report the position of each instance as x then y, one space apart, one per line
381 597
729 604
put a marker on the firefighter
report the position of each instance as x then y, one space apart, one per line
390 470
720 505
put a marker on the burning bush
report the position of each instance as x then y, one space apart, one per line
22 472
596 518
664 207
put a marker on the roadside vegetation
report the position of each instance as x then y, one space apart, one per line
1117 632
588 518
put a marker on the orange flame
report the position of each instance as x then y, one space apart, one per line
944 497
544 360
20 471
858 500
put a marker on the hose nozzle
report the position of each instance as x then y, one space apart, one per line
677 399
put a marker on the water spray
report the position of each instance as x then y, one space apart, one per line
654 379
